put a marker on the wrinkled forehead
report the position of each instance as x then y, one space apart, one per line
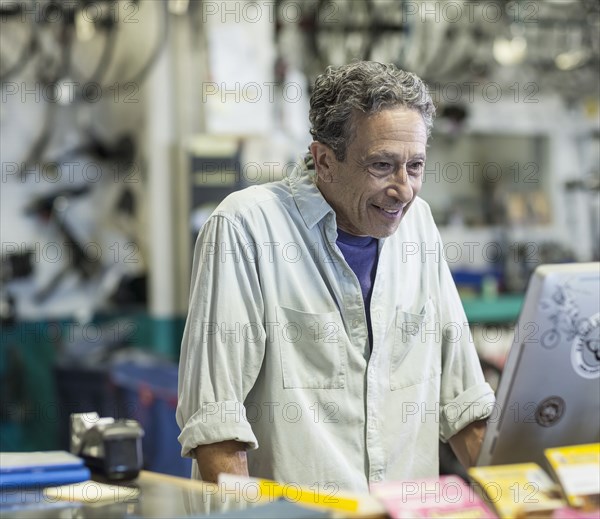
398 124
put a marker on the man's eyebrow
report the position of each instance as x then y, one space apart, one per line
391 155
382 155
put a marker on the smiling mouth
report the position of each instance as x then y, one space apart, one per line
390 212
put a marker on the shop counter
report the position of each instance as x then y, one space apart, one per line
150 495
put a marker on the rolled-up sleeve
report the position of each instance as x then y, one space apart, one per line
465 396
223 344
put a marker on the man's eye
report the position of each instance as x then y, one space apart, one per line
416 167
381 166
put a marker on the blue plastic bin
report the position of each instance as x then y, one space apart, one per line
148 393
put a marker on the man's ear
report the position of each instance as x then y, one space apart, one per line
324 159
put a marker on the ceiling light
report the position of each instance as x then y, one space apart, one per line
510 52
570 60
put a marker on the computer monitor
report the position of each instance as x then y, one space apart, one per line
549 391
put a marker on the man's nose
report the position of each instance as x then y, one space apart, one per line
400 187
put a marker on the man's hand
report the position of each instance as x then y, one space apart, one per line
228 456
466 443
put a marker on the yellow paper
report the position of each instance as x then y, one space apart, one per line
513 489
271 490
578 470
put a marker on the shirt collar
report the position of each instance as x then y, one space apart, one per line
310 202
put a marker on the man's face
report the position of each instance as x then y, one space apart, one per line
371 190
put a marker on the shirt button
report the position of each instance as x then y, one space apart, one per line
356 322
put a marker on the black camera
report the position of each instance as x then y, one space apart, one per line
108 446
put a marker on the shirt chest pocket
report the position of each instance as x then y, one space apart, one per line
313 349
416 353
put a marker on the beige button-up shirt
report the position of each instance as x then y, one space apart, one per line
275 351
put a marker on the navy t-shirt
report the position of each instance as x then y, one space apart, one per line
360 253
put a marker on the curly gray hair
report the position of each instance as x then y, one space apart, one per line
366 86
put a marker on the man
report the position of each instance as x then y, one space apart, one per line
326 344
